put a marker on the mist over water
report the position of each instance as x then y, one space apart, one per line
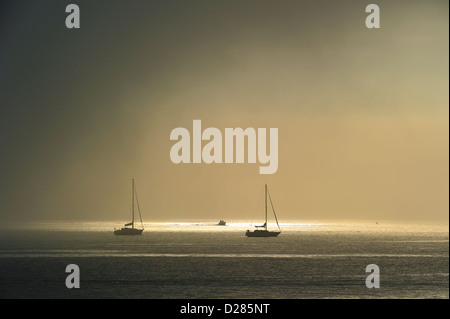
198 259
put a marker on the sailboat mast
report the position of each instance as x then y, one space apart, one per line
132 203
265 205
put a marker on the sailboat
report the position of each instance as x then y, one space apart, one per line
264 232
131 230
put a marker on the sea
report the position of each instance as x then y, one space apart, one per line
202 260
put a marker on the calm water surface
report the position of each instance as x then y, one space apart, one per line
202 260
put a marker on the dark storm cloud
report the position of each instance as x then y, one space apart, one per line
83 110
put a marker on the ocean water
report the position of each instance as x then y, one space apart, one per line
202 260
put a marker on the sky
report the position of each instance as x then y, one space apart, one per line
362 114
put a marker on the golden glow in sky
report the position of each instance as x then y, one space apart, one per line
362 114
